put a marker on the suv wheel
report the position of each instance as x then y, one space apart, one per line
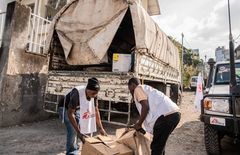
212 140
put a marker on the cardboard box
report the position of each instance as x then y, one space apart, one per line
138 142
102 145
121 62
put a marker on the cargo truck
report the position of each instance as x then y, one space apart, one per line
112 40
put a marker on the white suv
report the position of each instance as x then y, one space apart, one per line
220 110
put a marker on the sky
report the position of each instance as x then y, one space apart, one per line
204 23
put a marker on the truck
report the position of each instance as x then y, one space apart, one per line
112 41
220 107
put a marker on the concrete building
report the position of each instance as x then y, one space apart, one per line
23 66
222 54
22 74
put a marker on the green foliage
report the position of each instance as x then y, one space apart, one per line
188 72
190 62
187 58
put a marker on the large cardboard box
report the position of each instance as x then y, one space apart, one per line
138 142
102 145
121 62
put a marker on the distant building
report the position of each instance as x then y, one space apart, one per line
222 54
195 54
237 52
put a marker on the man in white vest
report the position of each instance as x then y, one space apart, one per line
79 112
158 113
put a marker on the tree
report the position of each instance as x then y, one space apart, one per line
190 62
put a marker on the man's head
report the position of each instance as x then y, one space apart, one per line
132 84
92 88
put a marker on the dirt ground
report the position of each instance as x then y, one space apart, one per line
48 137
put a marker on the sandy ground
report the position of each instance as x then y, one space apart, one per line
187 138
48 137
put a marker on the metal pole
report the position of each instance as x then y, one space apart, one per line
36 5
182 64
233 82
231 52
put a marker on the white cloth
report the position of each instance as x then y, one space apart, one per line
199 93
159 104
87 112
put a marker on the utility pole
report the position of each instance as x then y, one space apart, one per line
182 63
233 81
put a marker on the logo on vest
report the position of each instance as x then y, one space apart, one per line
87 115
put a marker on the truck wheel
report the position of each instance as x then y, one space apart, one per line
175 94
212 140
179 100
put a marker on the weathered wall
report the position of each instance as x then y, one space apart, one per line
23 75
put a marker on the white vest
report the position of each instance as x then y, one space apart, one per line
87 112
159 104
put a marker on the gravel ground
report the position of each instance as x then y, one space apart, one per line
48 137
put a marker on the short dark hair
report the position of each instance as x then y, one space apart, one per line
134 81
93 84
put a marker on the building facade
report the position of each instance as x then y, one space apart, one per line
23 67
221 54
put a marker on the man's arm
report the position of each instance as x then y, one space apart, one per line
98 118
142 98
72 106
71 116
144 112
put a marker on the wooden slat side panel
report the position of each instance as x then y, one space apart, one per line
113 87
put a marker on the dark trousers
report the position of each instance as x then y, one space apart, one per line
163 127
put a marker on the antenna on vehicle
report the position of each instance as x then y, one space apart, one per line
233 82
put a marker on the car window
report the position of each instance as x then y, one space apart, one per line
194 79
223 73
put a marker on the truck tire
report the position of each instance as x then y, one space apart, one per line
212 140
176 94
179 100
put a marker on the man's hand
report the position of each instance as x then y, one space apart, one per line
81 137
138 127
103 132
